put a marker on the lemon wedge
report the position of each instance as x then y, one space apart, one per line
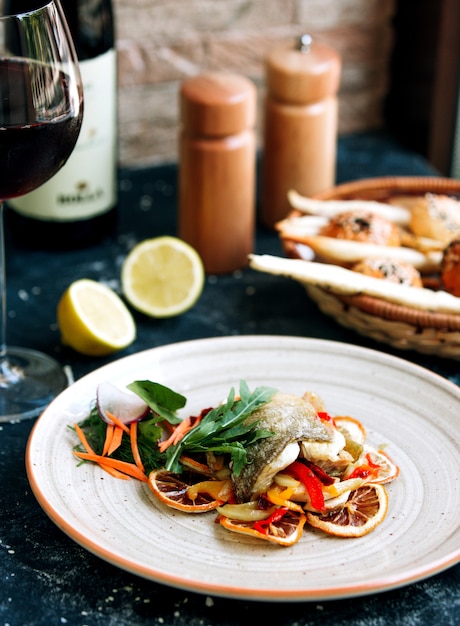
162 277
93 319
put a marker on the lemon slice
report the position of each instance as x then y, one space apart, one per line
162 277
93 320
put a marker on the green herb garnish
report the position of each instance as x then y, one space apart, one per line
162 400
224 430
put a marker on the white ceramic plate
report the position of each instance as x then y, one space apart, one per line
407 407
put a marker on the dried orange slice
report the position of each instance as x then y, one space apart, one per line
174 490
351 428
285 532
365 509
388 470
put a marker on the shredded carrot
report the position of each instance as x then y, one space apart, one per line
177 434
116 440
117 422
82 437
113 472
167 426
127 468
134 448
180 430
88 448
108 438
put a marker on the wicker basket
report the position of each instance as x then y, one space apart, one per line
401 327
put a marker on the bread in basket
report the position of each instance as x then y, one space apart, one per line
424 319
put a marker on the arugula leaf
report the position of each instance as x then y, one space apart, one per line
160 399
224 429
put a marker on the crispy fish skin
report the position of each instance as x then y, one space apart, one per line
292 419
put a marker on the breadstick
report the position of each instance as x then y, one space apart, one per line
329 208
346 282
346 252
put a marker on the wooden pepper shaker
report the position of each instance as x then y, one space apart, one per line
217 163
300 125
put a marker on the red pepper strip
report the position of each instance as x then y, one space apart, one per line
366 470
371 463
323 415
320 473
363 471
262 525
312 483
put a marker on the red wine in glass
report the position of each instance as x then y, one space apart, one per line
31 149
41 108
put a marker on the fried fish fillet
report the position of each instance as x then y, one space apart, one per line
292 419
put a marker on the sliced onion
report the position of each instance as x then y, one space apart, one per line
126 406
336 489
286 480
246 512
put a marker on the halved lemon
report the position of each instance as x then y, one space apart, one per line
364 510
93 319
162 277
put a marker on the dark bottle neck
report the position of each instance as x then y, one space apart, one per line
91 23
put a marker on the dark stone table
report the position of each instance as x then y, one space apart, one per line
46 578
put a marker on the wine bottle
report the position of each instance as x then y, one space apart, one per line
77 207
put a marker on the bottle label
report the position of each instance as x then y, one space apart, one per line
86 186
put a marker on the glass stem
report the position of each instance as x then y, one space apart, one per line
2 293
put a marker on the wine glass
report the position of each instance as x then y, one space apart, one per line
41 108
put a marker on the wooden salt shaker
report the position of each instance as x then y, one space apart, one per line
300 125
217 162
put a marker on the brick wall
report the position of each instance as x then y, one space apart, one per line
162 42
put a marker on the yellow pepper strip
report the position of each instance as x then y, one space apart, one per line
217 489
281 497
